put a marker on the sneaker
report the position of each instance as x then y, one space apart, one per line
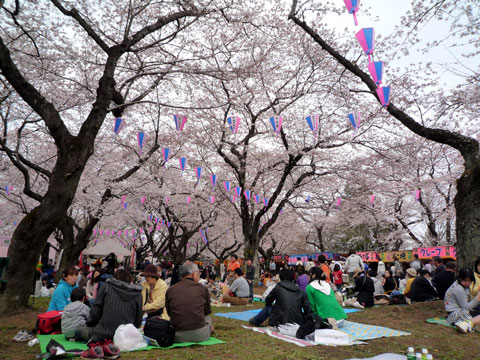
20 335
333 322
110 350
357 305
252 322
94 351
464 326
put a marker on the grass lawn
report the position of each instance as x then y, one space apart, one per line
442 342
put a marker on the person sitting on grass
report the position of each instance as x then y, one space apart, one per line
411 275
75 315
389 282
61 295
285 304
153 292
445 279
118 302
422 288
364 288
322 298
239 291
303 280
458 307
188 305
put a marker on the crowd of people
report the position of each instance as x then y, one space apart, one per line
310 295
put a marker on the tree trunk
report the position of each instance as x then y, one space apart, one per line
33 231
467 208
321 245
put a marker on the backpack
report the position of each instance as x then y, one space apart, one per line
162 331
49 323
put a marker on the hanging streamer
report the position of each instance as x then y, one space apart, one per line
180 121
276 122
182 162
118 126
226 184
212 199
354 119
233 123
366 38
213 181
141 140
198 173
165 152
352 7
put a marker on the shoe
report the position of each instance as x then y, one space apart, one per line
357 305
23 335
110 350
464 326
252 322
94 351
333 322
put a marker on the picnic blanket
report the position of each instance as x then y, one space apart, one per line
70 345
358 333
246 315
439 321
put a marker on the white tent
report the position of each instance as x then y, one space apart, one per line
107 246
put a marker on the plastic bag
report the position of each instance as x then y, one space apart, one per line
44 292
127 337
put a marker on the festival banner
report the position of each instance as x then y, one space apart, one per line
403 256
445 252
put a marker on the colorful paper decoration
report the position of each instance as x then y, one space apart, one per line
354 119
233 123
247 194
352 7
125 206
276 122
203 235
372 200
140 139
226 184
165 152
143 199
257 198
238 191
376 70
188 199
307 200
312 121
417 195
212 199
338 203
180 121
265 202
182 162
198 172
118 126
213 181
384 95
366 37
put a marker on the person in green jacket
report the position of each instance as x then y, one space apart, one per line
321 297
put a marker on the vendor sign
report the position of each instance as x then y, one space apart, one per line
403 256
369 256
445 252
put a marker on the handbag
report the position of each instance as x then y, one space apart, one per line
162 331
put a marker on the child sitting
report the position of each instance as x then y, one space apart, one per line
76 314
457 305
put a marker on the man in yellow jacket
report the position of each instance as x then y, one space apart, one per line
153 293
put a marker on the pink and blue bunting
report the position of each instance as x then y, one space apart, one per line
226 184
180 121
376 70
276 122
182 162
233 123
313 121
165 152
198 173
383 93
238 191
247 195
141 140
118 126
257 198
372 200
352 7
265 202
212 199
366 38
213 181
354 119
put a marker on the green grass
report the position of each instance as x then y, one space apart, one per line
442 342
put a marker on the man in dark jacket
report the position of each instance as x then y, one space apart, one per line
422 288
364 288
291 304
445 279
118 302
250 276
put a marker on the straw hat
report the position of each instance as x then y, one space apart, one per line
412 272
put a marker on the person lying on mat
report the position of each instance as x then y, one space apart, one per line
61 295
322 298
457 306
239 292
153 292
285 304
188 305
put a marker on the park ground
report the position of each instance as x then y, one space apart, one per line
441 341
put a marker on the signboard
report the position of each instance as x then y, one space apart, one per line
369 256
328 255
449 252
278 258
292 259
403 256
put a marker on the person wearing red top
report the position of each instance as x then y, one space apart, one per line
323 265
232 265
337 277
